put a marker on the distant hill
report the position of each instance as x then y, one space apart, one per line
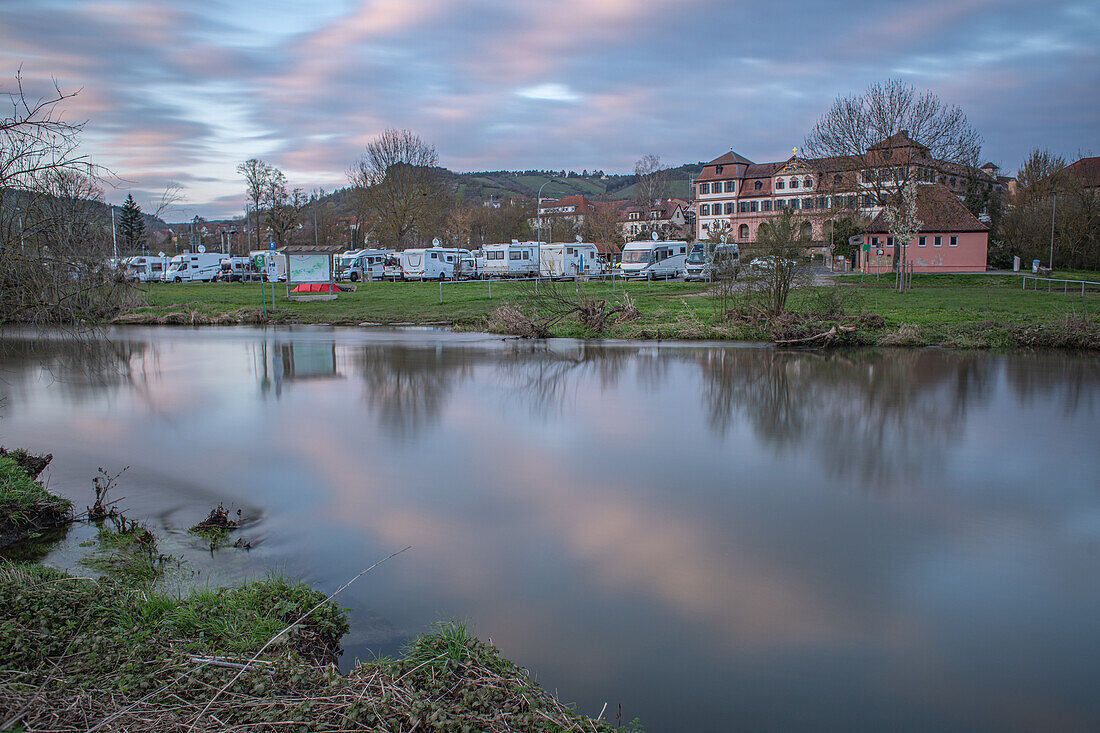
482 185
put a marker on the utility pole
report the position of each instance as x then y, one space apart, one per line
1053 209
114 240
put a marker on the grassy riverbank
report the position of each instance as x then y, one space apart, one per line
116 652
965 311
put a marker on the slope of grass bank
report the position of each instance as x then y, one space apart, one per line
78 652
27 510
966 311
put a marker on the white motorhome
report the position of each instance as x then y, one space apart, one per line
569 259
363 264
652 260
236 270
516 259
706 260
144 269
437 263
194 267
270 264
391 267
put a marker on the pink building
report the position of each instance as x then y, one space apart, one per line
951 239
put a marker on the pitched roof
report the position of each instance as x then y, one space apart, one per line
897 140
730 158
1087 169
939 210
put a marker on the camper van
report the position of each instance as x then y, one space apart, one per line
569 259
144 269
391 267
236 270
195 267
517 259
651 260
363 264
270 264
704 261
437 263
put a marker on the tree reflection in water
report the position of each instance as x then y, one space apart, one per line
873 414
82 365
408 386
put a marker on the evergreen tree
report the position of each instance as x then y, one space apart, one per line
131 225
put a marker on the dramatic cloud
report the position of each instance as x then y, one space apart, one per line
186 89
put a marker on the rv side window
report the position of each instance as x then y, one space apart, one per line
449 258
435 256
683 250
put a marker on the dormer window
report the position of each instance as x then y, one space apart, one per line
808 183
794 183
838 179
758 185
779 184
718 169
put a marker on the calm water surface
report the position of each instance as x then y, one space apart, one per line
715 537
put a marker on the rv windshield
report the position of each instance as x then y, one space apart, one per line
637 256
697 257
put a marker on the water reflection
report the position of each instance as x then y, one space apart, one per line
707 534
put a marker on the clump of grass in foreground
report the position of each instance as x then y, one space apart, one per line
216 527
77 653
126 550
26 508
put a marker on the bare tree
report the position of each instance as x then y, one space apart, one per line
652 180
397 181
54 239
777 268
890 136
257 178
283 207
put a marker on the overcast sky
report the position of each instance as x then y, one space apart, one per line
186 89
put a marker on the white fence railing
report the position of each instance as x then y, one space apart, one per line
1065 284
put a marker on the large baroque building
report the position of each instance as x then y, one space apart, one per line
734 196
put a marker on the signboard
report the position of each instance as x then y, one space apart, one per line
309 268
866 247
271 246
856 241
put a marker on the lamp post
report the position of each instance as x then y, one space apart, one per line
1053 209
538 206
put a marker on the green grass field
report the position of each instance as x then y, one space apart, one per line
955 310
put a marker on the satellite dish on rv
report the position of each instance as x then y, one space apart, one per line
435 242
160 254
515 241
579 239
202 249
654 235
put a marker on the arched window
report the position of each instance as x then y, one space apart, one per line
806 231
743 231
758 185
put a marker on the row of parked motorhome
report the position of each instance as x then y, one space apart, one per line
644 260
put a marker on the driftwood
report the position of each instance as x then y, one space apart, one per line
817 340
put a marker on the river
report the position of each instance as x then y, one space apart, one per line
713 537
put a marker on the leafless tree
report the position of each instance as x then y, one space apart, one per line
397 180
868 136
282 207
54 236
778 268
652 180
257 178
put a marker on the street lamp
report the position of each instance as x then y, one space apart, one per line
1053 209
538 205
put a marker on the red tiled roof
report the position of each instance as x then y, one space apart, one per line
939 210
731 158
1087 170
